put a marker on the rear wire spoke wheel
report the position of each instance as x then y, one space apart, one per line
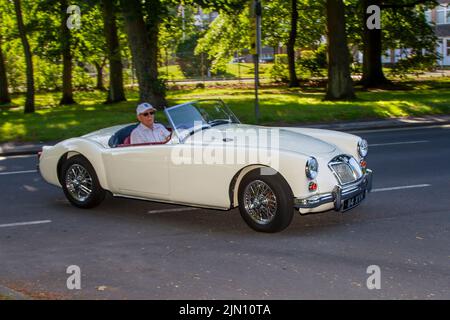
266 202
80 183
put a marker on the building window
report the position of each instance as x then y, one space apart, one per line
443 14
448 47
440 15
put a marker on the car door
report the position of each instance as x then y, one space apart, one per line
141 171
195 181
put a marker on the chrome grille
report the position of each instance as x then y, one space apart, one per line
344 172
346 169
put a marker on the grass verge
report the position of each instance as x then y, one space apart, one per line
278 105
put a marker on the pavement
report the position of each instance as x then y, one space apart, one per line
131 249
26 148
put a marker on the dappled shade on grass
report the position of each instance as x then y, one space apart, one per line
279 105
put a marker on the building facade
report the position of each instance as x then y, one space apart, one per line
440 18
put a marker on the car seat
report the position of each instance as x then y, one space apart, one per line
122 136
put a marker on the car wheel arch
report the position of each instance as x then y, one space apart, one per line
237 178
61 161
69 154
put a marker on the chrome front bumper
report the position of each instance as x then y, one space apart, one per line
338 195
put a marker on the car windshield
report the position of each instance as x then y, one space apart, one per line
193 116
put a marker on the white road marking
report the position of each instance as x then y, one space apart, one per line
402 187
24 223
402 129
15 157
172 210
17 172
396 143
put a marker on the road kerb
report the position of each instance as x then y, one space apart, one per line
12 294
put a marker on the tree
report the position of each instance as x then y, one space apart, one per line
88 43
340 86
372 48
293 80
144 49
227 34
29 101
276 23
65 38
116 91
4 94
230 32
171 33
403 26
191 64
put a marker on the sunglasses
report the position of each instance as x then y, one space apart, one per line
146 114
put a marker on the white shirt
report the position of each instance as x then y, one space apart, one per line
143 134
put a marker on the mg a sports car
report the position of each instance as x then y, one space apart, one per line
211 160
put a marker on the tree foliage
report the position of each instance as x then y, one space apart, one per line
173 37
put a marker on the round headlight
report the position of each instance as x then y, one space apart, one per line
363 148
312 167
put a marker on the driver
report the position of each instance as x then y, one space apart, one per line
148 131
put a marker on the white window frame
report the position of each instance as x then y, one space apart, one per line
445 9
428 16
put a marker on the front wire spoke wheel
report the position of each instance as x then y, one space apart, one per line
260 202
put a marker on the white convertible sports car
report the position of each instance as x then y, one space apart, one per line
211 160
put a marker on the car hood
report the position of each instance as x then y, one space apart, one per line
239 134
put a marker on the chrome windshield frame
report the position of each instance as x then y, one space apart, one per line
177 132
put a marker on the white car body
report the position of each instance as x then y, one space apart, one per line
148 172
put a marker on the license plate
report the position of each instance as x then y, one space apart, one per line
353 202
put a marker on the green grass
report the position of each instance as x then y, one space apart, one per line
278 105
232 71
247 70
173 71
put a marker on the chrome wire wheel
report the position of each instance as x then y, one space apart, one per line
79 182
260 202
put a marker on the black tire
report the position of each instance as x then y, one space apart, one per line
89 200
281 217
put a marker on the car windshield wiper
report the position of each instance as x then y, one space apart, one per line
207 126
219 122
196 129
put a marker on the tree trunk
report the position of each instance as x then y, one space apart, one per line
67 90
29 102
116 91
4 94
99 67
154 10
373 75
144 52
293 80
340 85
